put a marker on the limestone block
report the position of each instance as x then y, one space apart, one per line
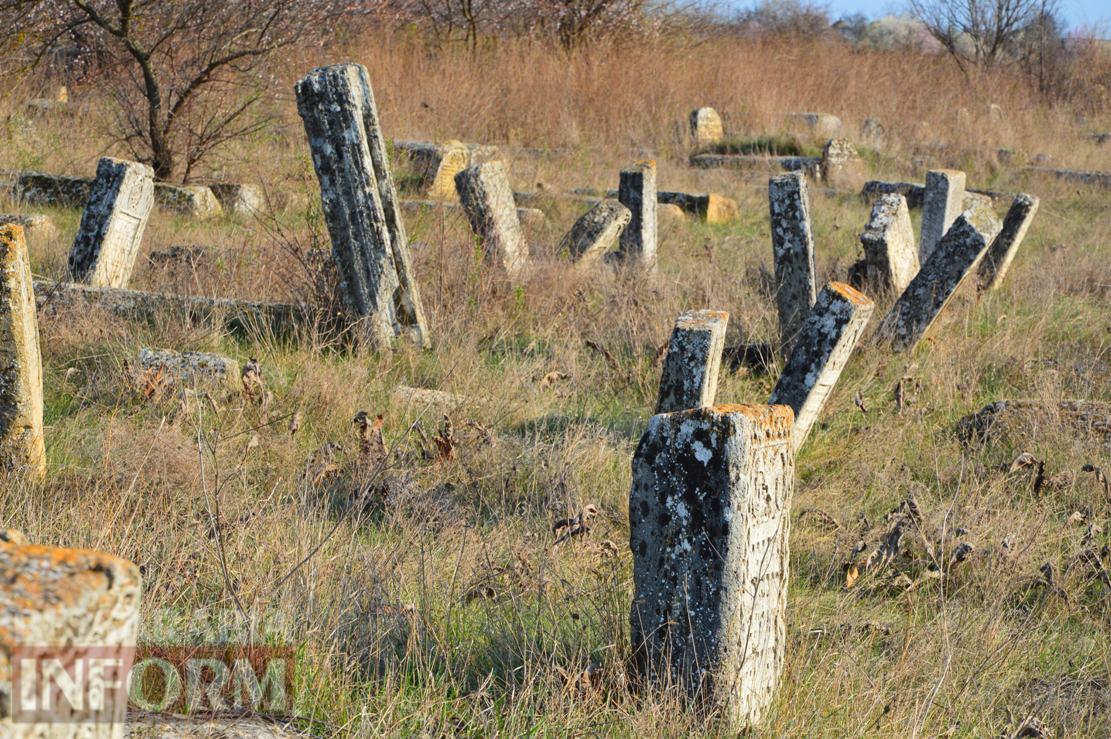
191 367
842 166
890 254
1002 252
34 224
817 125
709 523
86 602
711 208
195 201
435 165
690 371
58 191
954 259
21 440
595 232
669 215
982 206
793 252
369 243
111 231
243 200
825 344
914 193
487 200
637 192
941 206
706 127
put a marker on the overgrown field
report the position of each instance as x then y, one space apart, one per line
429 598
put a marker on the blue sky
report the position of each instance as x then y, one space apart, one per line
1076 13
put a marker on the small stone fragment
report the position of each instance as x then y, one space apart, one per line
690 370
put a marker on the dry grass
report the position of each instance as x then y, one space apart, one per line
434 603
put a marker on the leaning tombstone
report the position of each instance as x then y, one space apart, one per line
1002 252
690 373
637 192
890 254
72 616
107 243
950 264
706 127
487 200
360 205
942 204
595 232
793 252
825 343
21 440
709 523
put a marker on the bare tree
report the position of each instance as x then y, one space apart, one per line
979 33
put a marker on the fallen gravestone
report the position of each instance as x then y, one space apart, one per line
369 244
811 166
706 128
637 192
1076 176
487 200
435 165
243 200
693 361
825 344
191 367
21 440
111 231
711 208
709 524
595 232
194 201
941 205
915 194
793 253
890 254
57 191
993 268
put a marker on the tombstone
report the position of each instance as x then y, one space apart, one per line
706 128
637 192
711 207
487 200
890 254
824 346
1002 252
595 232
84 605
793 252
709 523
690 373
57 191
21 441
369 243
982 206
950 264
107 243
914 193
841 166
872 132
941 206
33 224
189 367
436 165
192 201
243 200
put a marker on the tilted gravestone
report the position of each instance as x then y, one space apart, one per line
21 440
954 259
111 231
690 372
709 523
943 201
890 254
825 344
993 268
360 204
793 252
706 127
487 199
595 232
79 611
637 192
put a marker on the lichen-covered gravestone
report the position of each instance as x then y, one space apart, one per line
594 233
954 259
487 199
107 243
690 372
824 347
360 205
190 367
841 165
993 268
21 441
84 605
637 192
706 127
792 251
890 254
944 200
709 523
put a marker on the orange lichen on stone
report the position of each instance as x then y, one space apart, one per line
779 418
703 319
851 294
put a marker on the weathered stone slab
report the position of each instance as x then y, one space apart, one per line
84 603
1077 176
872 132
793 252
995 264
693 361
595 232
841 166
706 128
58 191
950 264
817 125
915 194
812 166
369 243
824 347
32 223
710 207
637 192
436 165
709 523
487 200
111 231
982 206
243 200
941 206
21 440
194 201
190 367
890 254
